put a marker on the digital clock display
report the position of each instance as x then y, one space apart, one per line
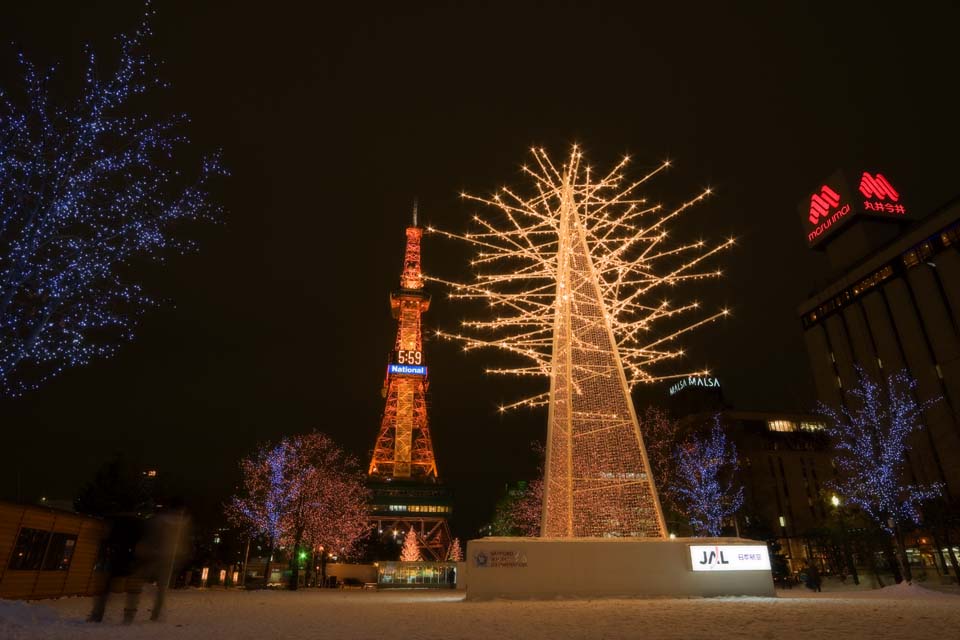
409 357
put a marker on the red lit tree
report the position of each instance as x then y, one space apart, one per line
303 489
411 548
526 512
661 435
456 553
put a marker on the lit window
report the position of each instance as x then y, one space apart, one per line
812 426
781 425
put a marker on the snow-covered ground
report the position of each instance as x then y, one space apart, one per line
895 612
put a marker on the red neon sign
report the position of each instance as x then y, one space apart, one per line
821 203
877 187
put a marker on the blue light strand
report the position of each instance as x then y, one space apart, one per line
87 188
705 488
871 438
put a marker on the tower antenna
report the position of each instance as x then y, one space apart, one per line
414 212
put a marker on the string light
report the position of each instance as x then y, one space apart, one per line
575 276
871 435
705 488
86 189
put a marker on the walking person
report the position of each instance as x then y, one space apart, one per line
119 564
813 578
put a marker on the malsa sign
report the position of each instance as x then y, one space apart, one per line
833 204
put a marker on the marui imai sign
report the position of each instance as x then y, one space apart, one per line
833 204
729 557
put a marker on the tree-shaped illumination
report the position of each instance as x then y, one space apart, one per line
524 245
456 552
576 275
411 548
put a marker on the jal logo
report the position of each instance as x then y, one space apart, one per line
821 203
714 558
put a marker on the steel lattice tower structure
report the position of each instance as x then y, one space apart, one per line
403 469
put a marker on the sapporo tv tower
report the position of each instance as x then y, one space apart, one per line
403 476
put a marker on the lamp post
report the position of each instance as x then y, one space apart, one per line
848 556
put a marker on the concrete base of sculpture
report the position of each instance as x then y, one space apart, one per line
611 567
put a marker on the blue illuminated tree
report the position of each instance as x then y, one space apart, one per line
705 488
270 491
871 437
89 187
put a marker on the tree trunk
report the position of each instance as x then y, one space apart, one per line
950 553
872 563
323 568
902 554
266 571
295 562
893 561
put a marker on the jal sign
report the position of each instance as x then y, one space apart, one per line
833 204
729 557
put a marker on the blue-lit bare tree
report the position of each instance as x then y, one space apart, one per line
89 186
705 487
871 436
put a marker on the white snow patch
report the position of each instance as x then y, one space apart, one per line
905 611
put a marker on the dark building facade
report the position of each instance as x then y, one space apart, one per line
894 303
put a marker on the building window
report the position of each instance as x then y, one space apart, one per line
950 235
60 552
812 426
28 553
781 425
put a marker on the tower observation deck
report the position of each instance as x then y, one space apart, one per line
403 474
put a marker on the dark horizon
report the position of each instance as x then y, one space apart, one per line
333 121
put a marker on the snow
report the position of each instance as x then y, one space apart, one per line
904 611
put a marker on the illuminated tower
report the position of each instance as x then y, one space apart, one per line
403 470
575 277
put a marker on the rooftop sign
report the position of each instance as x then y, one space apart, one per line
833 204
694 381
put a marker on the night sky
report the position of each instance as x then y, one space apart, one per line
332 120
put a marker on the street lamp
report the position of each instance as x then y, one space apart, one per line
835 501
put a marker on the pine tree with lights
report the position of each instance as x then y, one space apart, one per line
576 274
411 548
89 188
871 436
705 486
456 553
